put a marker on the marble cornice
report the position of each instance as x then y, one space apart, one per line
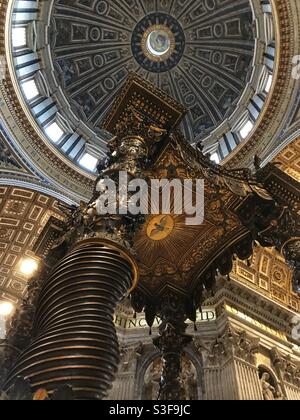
251 303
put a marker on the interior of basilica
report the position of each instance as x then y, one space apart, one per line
110 288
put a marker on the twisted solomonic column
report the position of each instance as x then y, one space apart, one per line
76 342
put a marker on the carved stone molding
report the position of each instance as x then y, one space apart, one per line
288 368
129 356
253 303
8 161
232 344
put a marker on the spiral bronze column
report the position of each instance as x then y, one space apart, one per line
76 342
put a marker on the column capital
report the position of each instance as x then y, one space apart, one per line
232 344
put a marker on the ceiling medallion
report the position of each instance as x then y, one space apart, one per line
211 77
160 227
158 42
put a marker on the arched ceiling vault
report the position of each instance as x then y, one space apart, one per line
277 118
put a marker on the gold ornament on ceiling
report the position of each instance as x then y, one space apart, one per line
160 227
289 159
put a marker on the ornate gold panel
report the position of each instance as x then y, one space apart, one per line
172 252
269 274
289 159
23 214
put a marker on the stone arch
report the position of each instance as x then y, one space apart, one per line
151 355
272 380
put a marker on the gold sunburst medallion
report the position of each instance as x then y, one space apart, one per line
160 227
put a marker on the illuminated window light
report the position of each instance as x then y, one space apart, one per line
30 89
28 266
6 308
158 43
19 37
88 162
54 132
215 158
246 130
269 83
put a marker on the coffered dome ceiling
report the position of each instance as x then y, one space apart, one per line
199 52
222 59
